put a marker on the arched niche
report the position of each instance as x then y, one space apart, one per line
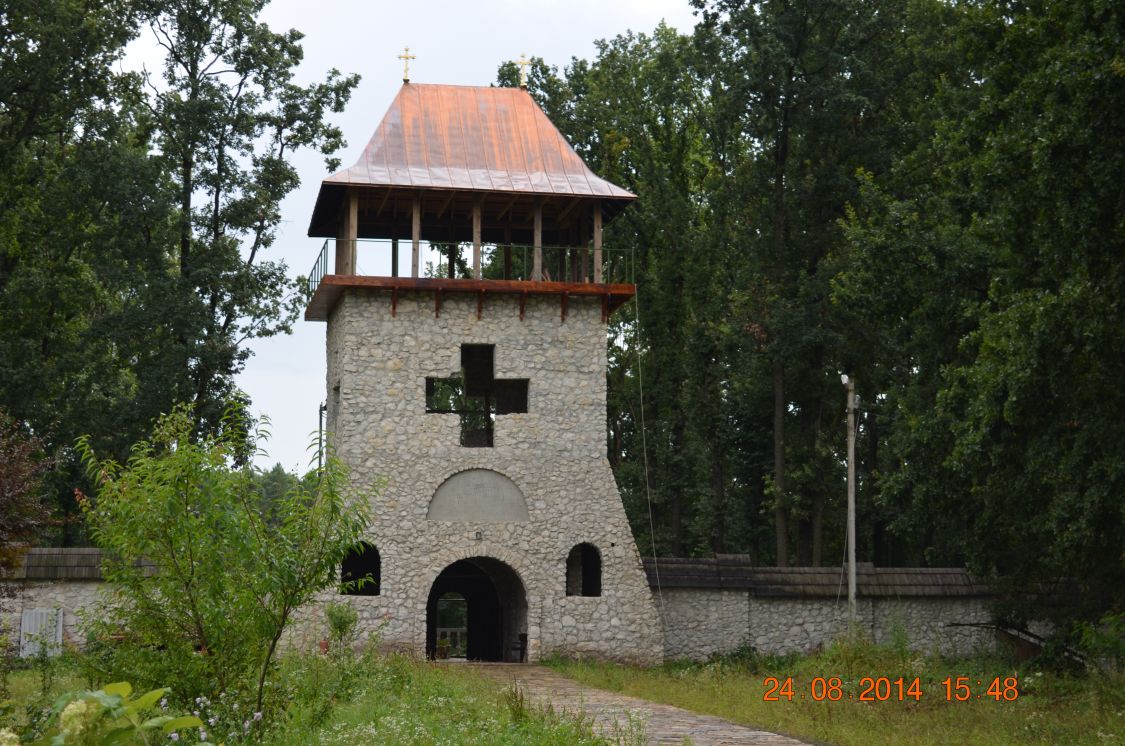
584 571
478 496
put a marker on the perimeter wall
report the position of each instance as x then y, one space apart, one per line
706 606
718 605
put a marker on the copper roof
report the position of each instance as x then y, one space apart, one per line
467 139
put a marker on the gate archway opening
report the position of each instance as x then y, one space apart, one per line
495 610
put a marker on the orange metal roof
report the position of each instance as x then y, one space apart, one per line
476 138
470 139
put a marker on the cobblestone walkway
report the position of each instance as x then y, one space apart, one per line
611 712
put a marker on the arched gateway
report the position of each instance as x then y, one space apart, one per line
494 616
466 373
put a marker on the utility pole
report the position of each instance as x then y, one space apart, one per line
849 384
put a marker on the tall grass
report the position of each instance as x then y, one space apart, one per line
401 700
1050 709
344 699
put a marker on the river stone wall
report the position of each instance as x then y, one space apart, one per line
719 604
71 597
698 621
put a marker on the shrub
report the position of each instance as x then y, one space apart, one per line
110 715
205 582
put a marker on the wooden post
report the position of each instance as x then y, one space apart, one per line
598 243
451 260
508 252
346 235
584 254
394 257
537 243
416 235
476 238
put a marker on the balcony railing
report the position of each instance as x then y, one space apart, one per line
377 258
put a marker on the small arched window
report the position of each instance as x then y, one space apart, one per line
584 571
362 567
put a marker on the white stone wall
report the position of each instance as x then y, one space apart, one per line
555 454
697 622
933 625
71 596
701 622
786 625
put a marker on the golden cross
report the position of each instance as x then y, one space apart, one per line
524 63
406 56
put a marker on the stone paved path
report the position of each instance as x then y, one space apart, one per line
664 724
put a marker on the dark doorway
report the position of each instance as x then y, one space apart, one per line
495 609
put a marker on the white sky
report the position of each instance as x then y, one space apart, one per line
459 43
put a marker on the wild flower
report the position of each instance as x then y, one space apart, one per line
174 736
77 715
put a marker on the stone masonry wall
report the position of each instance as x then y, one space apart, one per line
696 622
701 622
72 596
555 454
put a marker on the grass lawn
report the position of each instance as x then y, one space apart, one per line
1049 709
369 700
404 701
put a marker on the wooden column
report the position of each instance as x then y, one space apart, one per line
537 243
451 259
346 235
394 257
507 252
598 243
476 238
416 235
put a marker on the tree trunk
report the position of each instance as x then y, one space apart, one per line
780 516
818 529
781 157
719 502
675 501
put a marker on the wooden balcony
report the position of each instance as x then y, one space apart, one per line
563 272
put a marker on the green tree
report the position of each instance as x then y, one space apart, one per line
23 515
989 259
135 212
81 231
804 91
227 116
205 582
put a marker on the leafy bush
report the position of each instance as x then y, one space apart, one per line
104 717
204 581
342 620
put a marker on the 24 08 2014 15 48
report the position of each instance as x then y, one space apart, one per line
884 689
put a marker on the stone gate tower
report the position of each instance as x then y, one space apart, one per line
467 366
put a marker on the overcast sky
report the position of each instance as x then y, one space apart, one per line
459 43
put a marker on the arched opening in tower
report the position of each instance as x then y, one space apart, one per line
494 613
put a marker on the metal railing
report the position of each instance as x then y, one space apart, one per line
378 258
319 268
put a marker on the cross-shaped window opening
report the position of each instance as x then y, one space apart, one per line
477 396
